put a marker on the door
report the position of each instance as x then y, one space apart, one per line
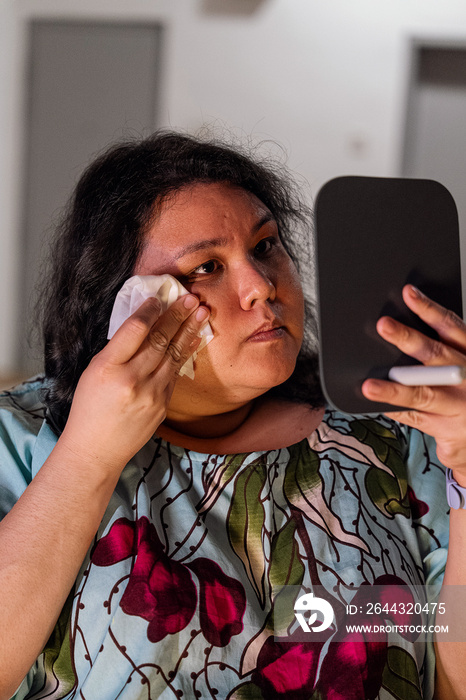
436 126
89 84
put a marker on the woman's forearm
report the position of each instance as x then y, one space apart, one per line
43 542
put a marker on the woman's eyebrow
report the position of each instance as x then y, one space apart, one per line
201 245
268 216
219 242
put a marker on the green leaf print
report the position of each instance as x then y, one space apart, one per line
246 691
286 570
286 567
385 492
387 489
57 654
384 443
245 522
281 617
304 489
400 675
302 473
224 473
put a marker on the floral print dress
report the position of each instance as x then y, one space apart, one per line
178 596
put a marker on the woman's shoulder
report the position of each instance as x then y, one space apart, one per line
358 426
403 450
402 454
22 415
376 429
23 403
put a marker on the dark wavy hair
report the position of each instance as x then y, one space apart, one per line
102 235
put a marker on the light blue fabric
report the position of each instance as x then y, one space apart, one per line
175 597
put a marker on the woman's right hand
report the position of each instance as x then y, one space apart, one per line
123 395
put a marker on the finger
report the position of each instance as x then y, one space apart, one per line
444 429
133 332
166 327
417 345
438 401
424 405
449 451
450 327
182 346
165 350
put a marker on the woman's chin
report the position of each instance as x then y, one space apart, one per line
216 397
262 379
235 382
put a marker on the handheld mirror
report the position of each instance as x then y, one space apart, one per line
373 236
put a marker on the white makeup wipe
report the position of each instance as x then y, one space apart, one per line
166 289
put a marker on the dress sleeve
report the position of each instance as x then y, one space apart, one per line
17 439
22 418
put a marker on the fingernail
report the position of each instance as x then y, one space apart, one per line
190 301
387 325
202 313
371 387
415 292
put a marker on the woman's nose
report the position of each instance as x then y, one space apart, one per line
255 285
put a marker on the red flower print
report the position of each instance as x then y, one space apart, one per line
117 545
162 591
361 658
354 664
159 589
287 670
222 602
392 594
360 665
418 508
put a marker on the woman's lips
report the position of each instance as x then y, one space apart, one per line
267 334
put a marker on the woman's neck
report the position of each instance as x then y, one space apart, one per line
264 424
209 426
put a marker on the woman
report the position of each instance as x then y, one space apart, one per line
152 520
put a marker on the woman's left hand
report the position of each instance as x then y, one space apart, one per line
438 411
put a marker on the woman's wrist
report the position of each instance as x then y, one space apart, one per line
84 455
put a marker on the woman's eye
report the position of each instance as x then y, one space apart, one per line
265 246
206 268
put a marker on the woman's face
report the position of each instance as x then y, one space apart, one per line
223 245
